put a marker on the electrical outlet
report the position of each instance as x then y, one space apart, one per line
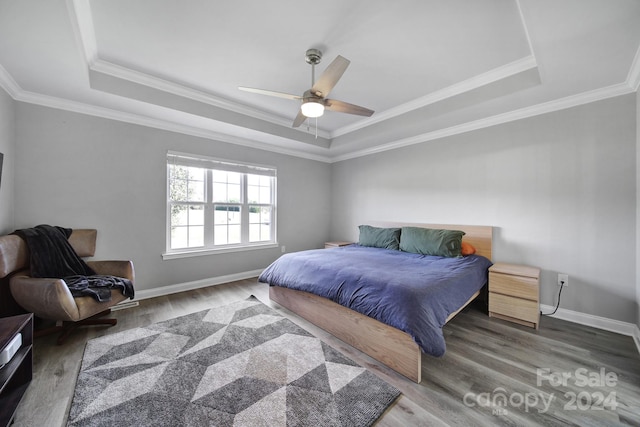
563 279
283 249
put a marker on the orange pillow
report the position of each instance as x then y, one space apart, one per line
467 249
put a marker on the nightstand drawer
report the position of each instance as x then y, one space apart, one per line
517 286
517 308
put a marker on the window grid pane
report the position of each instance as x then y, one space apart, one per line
227 187
227 221
186 184
187 226
259 224
259 189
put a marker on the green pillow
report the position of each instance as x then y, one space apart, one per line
430 241
376 237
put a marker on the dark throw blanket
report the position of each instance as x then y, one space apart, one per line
51 255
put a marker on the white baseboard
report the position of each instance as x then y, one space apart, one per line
623 328
197 284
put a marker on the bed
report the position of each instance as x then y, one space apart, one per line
379 328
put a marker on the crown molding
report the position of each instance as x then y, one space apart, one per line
81 20
80 13
124 73
82 23
523 113
507 70
84 32
497 74
136 119
14 90
525 28
633 78
8 83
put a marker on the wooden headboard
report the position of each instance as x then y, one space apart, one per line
480 236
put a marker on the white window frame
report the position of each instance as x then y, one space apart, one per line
210 164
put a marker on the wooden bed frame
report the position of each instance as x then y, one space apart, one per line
384 343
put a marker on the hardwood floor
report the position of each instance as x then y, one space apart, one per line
487 360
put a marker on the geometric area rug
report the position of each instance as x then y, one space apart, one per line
242 364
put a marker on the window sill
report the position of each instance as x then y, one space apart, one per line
216 251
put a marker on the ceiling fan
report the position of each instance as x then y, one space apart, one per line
314 100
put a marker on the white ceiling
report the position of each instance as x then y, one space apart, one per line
428 68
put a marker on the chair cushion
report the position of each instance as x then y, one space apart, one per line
88 306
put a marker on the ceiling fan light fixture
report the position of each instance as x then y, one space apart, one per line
312 109
314 100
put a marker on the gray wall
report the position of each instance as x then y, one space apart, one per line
7 147
560 189
80 171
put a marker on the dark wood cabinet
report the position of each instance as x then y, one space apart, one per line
16 374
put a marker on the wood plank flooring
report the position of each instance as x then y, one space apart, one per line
487 360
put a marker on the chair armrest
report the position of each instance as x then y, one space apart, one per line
114 268
46 298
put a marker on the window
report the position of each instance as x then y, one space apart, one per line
215 204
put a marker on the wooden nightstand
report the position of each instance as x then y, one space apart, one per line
514 293
328 245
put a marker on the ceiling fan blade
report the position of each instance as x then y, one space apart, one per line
269 93
345 107
330 76
300 118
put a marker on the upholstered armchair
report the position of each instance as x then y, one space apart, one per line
50 298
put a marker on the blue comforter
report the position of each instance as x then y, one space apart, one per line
411 292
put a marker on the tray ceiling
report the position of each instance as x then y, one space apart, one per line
428 68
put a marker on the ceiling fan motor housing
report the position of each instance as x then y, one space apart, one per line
313 56
310 96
